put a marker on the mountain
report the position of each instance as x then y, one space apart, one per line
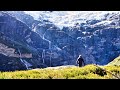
39 39
18 43
95 35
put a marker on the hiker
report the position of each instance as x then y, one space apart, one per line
80 61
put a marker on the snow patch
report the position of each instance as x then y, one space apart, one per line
70 18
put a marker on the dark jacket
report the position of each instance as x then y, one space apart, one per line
80 61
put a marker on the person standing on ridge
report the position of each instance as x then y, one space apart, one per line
80 61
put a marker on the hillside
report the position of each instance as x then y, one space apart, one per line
64 72
116 62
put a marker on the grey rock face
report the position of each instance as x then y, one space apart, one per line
16 35
98 46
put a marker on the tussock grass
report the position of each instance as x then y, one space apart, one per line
74 72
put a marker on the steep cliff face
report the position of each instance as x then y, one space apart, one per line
19 43
99 46
27 43
94 36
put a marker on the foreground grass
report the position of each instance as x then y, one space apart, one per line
86 72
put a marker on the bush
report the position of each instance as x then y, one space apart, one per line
100 72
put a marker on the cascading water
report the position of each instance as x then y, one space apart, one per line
23 61
49 46
20 56
43 52
43 55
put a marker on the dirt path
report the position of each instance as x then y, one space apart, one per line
57 67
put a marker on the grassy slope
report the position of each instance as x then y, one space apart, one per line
67 72
87 72
116 61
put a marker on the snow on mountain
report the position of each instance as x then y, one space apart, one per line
103 22
70 18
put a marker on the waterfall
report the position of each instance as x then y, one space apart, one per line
47 40
43 55
23 61
27 64
20 56
50 57
49 45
